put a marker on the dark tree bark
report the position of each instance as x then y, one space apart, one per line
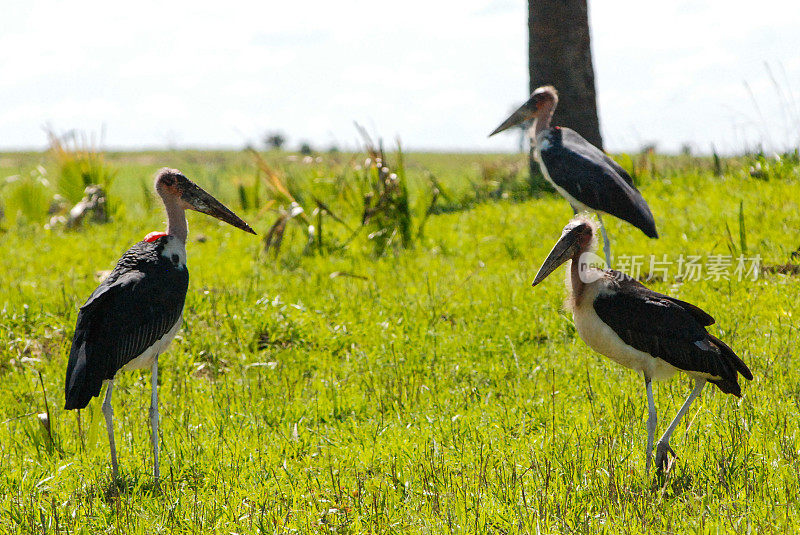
559 55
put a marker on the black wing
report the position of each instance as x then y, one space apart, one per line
589 175
137 304
672 330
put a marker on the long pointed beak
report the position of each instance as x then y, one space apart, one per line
523 113
562 251
200 200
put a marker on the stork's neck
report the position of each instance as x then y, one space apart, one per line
539 125
543 117
176 218
576 284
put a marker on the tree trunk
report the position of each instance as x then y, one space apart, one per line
559 55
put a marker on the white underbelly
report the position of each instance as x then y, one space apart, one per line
575 203
145 360
602 338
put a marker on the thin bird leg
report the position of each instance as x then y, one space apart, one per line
154 418
108 412
663 447
652 420
606 243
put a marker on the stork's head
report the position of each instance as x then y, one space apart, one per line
577 238
175 188
540 106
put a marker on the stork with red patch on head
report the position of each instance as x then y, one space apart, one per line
136 311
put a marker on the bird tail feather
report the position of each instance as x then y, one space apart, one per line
81 384
731 361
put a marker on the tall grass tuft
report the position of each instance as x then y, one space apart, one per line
717 162
349 201
26 199
775 167
249 193
285 204
80 165
387 211
501 180
741 247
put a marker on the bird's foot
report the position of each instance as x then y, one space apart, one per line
662 461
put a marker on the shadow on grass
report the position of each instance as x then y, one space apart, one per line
676 481
128 485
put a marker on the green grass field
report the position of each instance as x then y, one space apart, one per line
427 390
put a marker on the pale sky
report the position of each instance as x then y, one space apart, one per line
440 75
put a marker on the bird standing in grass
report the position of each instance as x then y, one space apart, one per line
135 312
583 174
649 332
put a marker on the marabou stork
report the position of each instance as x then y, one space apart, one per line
583 174
135 312
636 327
